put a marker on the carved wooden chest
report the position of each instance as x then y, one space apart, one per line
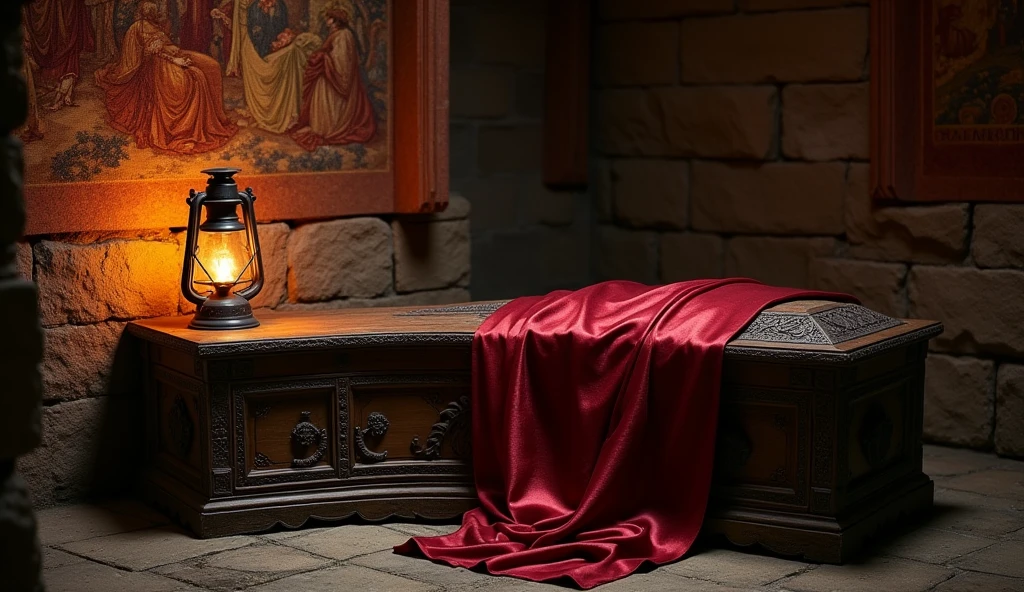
330 414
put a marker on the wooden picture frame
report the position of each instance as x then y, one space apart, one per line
415 179
945 123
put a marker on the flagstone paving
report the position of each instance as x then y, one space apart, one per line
972 541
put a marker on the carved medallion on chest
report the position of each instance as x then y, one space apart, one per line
376 426
305 434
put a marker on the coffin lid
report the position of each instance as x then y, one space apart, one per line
803 330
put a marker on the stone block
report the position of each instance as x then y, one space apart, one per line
428 297
637 54
495 200
546 206
1005 483
630 123
802 46
626 255
529 94
95 577
340 258
825 121
776 261
353 576
509 148
774 198
345 542
943 461
1009 436
502 34
879 286
66 524
690 256
20 556
877 573
719 122
430 255
530 261
139 550
970 581
762 5
1003 558
458 208
923 234
24 260
438 575
53 558
603 204
274 249
240 568
737 569
958 400
117 279
20 352
982 310
997 240
661 9
974 515
932 546
482 93
651 193
714 122
88 361
60 469
420 529
461 151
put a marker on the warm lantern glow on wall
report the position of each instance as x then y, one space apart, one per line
223 269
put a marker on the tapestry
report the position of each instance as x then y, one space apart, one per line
123 90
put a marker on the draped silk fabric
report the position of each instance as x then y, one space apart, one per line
594 416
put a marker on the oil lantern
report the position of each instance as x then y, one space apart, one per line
223 269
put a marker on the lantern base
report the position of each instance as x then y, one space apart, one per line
224 312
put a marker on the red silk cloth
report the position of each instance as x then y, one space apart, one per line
594 416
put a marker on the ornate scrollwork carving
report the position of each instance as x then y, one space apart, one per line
837 324
306 434
480 309
376 426
262 460
181 427
452 416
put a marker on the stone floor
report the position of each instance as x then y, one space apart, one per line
973 540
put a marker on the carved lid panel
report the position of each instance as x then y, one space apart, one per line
803 325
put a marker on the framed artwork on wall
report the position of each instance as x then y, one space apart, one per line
947 100
329 107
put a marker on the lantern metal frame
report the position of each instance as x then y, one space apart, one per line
223 308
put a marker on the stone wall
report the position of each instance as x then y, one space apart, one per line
91 285
733 140
526 239
21 346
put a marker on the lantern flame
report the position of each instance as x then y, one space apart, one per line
223 267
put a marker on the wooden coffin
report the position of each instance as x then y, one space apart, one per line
330 414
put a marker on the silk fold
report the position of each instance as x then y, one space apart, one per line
593 427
